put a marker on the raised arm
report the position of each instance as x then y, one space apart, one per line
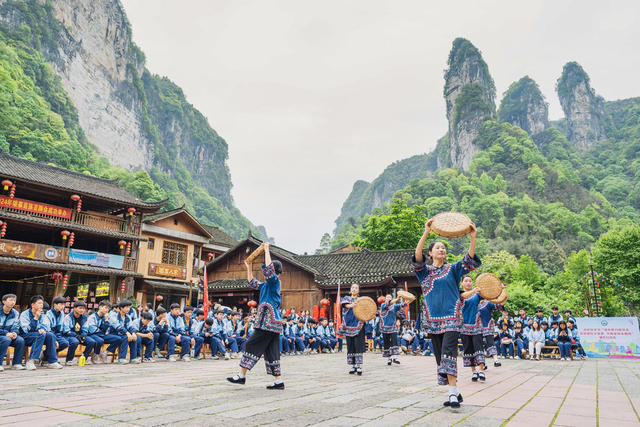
472 245
423 240
267 253
249 270
471 293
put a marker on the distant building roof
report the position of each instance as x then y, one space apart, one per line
154 217
358 267
229 284
54 177
219 237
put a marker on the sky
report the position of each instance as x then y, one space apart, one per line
314 95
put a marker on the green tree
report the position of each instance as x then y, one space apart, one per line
325 244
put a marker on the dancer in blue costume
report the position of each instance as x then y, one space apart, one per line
388 314
352 328
265 339
442 306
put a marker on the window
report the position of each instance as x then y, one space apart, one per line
151 243
174 254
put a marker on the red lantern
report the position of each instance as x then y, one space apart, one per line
6 184
159 298
128 251
122 244
381 299
77 198
252 303
131 211
72 239
65 281
65 234
13 191
3 229
56 275
122 286
209 255
325 301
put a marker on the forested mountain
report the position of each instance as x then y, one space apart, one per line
75 92
531 187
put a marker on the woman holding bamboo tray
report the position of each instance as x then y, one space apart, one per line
442 306
265 339
471 331
352 329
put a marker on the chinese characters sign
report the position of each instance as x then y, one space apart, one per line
167 271
17 249
35 207
610 336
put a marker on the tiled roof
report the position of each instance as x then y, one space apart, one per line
51 176
71 267
228 284
219 237
358 267
165 284
150 218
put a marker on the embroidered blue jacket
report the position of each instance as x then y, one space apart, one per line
69 323
388 317
442 307
269 315
351 325
28 322
54 322
485 308
471 319
9 322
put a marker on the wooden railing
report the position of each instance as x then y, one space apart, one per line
129 264
89 219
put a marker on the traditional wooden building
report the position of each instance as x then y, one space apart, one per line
171 259
306 279
66 233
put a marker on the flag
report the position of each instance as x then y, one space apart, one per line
206 302
337 312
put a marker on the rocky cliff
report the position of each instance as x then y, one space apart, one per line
523 105
583 109
469 93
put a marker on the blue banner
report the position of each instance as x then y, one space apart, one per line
96 259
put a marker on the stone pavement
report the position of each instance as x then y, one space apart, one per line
319 391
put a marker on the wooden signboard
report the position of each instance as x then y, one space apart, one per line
165 270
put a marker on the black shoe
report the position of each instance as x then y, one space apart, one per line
389 362
359 371
481 376
353 370
396 361
275 386
486 367
237 381
453 404
474 377
496 364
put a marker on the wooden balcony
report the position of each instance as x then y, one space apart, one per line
91 219
129 264
35 251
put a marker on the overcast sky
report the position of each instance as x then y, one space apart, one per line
312 96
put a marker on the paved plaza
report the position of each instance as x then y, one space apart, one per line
319 391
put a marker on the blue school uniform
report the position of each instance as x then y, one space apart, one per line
76 334
269 317
9 323
53 322
29 330
177 327
119 325
148 343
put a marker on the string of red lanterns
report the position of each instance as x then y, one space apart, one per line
72 237
12 193
65 234
122 286
6 184
3 229
128 251
77 199
65 281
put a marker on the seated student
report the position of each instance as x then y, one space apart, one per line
9 328
324 333
418 341
496 340
96 329
209 337
195 332
525 336
575 341
506 341
165 338
555 316
33 331
312 342
536 340
524 319
76 333
564 340
287 333
231 347
247 327
505 319
569 317
149 309
539 317
233 331
187 318
121 334
54 322
146 332
177 329
378 340
553 336
321 336
298 334
334 337
407 336
518 340
427 346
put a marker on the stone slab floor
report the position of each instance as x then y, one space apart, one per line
586 393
